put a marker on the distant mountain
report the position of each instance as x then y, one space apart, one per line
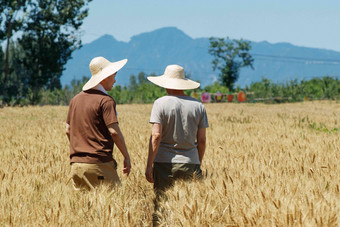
151 52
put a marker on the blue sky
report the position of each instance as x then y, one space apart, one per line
309 23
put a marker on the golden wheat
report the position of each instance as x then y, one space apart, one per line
265 165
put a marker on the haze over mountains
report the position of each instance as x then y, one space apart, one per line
151 52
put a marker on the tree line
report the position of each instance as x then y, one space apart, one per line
140 90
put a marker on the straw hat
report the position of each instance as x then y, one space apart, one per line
101 68
174 78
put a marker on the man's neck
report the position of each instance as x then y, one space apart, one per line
100 87
175 92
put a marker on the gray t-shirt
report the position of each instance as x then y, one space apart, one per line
180 117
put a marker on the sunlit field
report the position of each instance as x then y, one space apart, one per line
265 165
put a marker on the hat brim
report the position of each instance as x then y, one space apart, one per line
172 83
104 73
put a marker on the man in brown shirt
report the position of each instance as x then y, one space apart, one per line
92 129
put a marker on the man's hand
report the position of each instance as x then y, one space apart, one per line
119 141
201 141
127 166
67 131
148 174
155 139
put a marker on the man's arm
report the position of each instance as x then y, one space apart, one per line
201 143
67 129
118 139
155 140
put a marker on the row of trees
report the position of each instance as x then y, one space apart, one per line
140 90
293 91
39 37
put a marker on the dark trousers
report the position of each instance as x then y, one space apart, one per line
165 174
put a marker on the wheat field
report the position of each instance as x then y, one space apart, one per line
265 165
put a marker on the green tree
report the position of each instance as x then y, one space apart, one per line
11 20
16 83
49 37
142 78
229 57
133 82
1 68
216 87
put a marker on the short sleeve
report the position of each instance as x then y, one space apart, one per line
109 112
155 114
204 119
69 113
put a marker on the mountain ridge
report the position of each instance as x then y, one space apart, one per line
152 51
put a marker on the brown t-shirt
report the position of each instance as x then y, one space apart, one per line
89 114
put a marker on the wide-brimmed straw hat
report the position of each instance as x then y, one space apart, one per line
101 68
174 78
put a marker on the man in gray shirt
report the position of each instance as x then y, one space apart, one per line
178 140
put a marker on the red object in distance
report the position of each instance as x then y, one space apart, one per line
241 96
230 97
